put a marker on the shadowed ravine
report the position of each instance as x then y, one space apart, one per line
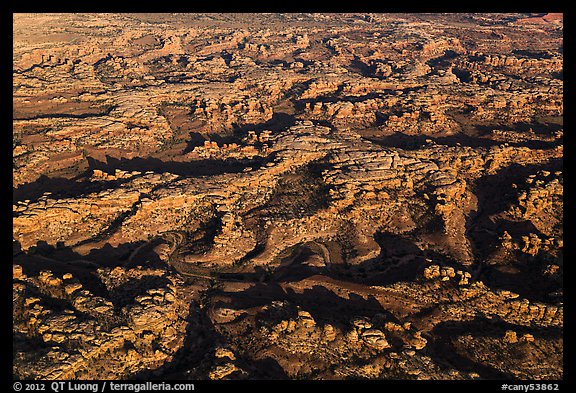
288 196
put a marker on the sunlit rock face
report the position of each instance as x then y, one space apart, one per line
288 196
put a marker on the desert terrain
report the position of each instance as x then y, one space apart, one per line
288 196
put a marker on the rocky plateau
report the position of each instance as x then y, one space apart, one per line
288 196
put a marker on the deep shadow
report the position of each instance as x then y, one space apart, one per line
300 104
194 359
523 274
257 295
324 305
61 259
415 142
222 139
187 363
35 189
443 61
195 140
198 139
463 75
208 167
294 268
532 54
495 194
278 122
399 260
90 112
61 187
523 278
126 293
201 240
359 67
268 369
81 185
297 195
495 328
539 127
442 348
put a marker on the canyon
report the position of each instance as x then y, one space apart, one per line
288 196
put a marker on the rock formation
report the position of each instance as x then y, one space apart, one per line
288 196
